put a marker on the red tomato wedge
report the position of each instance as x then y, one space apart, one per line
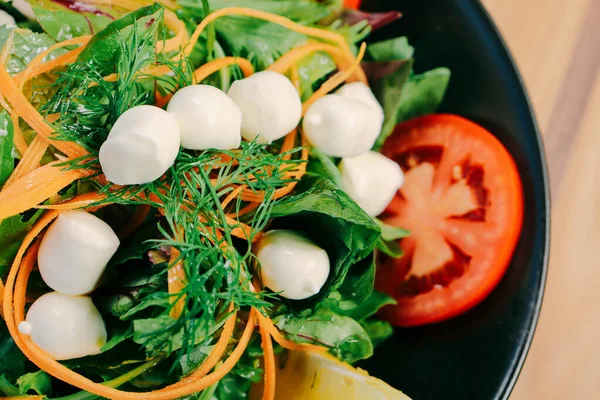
463 204
352 4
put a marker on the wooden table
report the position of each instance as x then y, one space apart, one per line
557 46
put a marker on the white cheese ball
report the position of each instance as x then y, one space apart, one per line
292 264
360 91
24 8
74 252
341 126
141 146
6 18
372 180
207 118
270 104
66 327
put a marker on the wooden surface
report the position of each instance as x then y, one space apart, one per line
557 46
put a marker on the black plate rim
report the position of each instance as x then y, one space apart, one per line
526 344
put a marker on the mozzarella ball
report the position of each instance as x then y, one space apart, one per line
360 91
292 264
207 118
6 18
372 180
270 104
341 126
141 146
74 252
24 8
66 327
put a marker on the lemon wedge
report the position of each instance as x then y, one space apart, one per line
310 376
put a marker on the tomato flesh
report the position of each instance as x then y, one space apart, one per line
463 204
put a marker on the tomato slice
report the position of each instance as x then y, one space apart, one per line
463 203
355 4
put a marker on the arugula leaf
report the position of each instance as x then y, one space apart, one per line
26 46
64 22
345 337
38 382
247 372
391 50
378 331
7 159
333 220
391 248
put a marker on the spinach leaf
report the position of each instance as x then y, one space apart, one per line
333 220
66 21
301 11
247 372
37 382
405 95
378 331
391 248
345 337
391 50
26 46
389 232
12 232
7 159
107 45
13 360
324 166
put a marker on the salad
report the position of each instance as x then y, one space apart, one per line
227 199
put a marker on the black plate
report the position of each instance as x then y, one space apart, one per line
479 354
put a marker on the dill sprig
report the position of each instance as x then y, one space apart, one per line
217 264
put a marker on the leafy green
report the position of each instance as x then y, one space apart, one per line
344 337
8 388
26 46
7 159
389 232
324 166
333 220
107 45
391 50
312 70
13 360
12 232
64 23
37 382
378 331
404 95
301 11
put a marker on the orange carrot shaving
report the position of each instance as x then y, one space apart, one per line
213 66
139 216
342 59
18 138
232 196
219 349
181 35
334 81
81 201
295 77
31 159
37 66
25 110
36 187
269 357
268 326
277 19
177 281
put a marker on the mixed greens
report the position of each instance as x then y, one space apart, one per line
147 347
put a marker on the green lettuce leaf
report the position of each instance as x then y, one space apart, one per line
344 337
26 46
12 232
13 360
391 50
333 220
66 22
7 158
